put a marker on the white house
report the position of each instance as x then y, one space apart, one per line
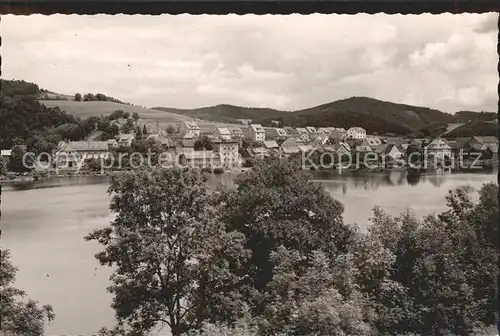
190 127
356 133
311 130
228 152
255 132
438 148
222 133
126 140
73 154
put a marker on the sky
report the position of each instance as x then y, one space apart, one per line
288 62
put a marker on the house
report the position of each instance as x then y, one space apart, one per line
228 152
389 150
289 146
255 132
276 133
271 144
187 145
360 145
112 143
236 132
190 127
73 154
290 131
305 148
245 121
486 145
222 133
303 134
373 141
311 130
126 140
200 159
6 152
337 149
438 148
324 130
337 136
356 133
189 135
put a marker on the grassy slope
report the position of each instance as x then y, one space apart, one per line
98 108
476 127
227 113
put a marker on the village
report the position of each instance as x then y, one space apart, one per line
233 148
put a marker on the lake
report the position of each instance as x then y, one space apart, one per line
44 229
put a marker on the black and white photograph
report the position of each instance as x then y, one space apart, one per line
249 175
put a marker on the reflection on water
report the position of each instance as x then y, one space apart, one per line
44 228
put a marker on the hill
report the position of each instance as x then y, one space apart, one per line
84 109
466 116
475 128
374 115
227 113
404 116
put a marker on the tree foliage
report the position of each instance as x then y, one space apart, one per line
174 270
20 316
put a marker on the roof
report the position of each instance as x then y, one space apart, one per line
5 152
95 135
111 141
200 155
126 137
357 129
305 148
311 129
290 142
437 143
385 148
281 132
373 141
187 143
257 128
235 130
270 144
189 135
85 146
192 125
302 130
486 139
224 131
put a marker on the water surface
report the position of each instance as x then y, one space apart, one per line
44 229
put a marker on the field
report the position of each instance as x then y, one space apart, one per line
97 108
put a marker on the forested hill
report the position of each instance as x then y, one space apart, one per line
374 115
228 113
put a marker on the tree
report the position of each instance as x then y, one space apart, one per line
125 115
20 317
78 97
170 129
89 97
100 97
203 143
175 269
18 163
117 114
135 116
276 205
442 279
144 130
4 163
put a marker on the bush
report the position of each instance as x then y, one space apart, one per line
218 171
